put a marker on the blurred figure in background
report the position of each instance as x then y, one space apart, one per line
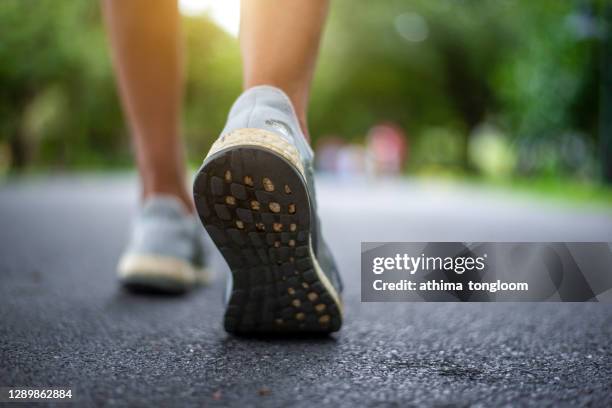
385 153
387 150
328 149
256 181
351 161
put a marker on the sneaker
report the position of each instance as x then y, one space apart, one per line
165 252
255 196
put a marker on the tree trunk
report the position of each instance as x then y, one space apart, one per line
19 149
605 111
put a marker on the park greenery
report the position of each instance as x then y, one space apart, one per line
496 89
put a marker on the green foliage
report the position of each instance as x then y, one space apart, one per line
440 69
441 79
541 81
213 82
57 97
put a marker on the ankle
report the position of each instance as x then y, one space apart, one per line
177 192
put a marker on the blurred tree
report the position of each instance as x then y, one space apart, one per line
605 123
213 80
439 69
548 83
56 94
530 66
417 63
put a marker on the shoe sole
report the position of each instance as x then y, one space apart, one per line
159 274
252 199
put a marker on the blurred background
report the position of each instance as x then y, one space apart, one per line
480 120
512 93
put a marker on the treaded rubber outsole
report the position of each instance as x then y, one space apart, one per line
255 206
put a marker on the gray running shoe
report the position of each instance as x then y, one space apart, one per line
255 196
165 252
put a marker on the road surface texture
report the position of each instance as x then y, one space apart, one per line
64 321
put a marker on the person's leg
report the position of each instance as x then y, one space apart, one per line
279 42
255 190
147 54
164 253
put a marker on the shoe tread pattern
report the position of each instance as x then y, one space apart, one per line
255 207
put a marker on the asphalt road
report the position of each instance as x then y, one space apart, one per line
64 321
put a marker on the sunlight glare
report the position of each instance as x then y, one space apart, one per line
225 13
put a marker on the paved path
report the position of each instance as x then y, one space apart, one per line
64 322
